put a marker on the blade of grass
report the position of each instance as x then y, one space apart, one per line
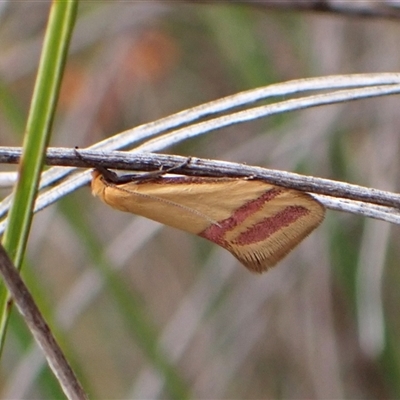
41 113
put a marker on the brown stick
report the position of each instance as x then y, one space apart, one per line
39 328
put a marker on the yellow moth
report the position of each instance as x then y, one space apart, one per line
257 222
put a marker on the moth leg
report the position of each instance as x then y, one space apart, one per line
181 165
112 177
107 174
156 174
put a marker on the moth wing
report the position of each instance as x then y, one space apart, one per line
257 222
265 237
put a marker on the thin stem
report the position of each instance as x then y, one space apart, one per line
39 328
204 167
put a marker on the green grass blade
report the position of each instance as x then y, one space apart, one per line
44 100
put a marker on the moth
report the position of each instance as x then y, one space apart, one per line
259 223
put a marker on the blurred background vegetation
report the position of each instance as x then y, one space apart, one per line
145 311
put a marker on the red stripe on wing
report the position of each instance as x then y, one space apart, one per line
216 233
268 226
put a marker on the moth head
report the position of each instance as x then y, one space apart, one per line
98 186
